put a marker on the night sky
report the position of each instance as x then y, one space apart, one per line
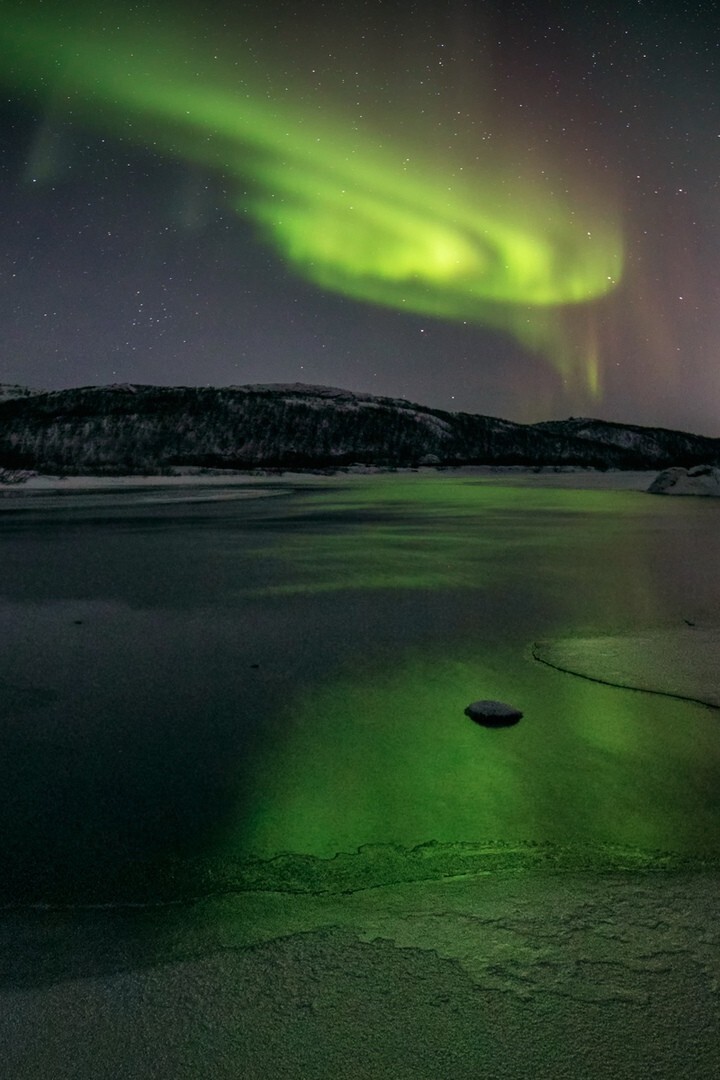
510 209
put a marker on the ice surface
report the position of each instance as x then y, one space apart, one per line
682 662
506 959
510 976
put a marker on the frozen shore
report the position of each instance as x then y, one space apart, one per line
581 976
681 662
586 479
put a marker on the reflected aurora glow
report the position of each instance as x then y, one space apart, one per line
381 751
429 534
388 754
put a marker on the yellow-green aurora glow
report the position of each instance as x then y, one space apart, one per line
356 211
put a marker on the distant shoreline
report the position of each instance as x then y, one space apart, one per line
550 475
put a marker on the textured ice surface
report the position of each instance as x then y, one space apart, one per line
683 662
509 976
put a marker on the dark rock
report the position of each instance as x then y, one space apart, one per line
493 713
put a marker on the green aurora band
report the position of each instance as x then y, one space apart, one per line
374 222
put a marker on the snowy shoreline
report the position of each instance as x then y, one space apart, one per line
315 986
610 480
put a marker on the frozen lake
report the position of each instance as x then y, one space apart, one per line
194 678
249 831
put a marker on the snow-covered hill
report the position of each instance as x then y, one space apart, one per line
142 429
12 390
644 441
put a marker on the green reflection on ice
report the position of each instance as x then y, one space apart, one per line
430 532
380 751
387 756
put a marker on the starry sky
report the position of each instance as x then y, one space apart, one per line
504 208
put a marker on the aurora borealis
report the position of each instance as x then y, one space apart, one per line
438 207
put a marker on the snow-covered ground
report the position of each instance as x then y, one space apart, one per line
611 480
550 975
682 662
59 484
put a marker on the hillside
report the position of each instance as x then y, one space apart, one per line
139 429
652 443
12 390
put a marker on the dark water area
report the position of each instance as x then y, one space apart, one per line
190 687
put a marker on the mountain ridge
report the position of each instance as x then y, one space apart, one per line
135 428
